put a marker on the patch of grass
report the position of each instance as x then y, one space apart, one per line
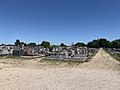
1 57
114 55
13 58
60 61
10 59
92 55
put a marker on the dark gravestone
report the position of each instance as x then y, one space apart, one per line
17 52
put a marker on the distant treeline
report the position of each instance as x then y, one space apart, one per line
102 42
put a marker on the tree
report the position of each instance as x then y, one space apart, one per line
46 44
93 44
62 45
90 44
103 43
32 44
115 43
79 44
17 43
99 43
22 43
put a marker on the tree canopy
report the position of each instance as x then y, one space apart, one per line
32 44
17 42
79 44
96 43
104 43
115 43
46 44
62 45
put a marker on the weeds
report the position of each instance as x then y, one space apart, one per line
114 55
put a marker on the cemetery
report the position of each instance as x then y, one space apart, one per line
56 52
6 49
78 53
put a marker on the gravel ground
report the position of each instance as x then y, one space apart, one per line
101 73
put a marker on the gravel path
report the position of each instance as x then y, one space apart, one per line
101 73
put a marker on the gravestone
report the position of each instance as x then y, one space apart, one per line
17 52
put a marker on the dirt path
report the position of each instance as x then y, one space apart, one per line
101 73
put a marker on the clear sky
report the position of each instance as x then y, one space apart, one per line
59 21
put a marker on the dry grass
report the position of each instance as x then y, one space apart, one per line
114 55
61 62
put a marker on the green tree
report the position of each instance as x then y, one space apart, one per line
46 44
103 43
93 44
32 44
79 44
17 43
99 43
22 43
62 45
115 43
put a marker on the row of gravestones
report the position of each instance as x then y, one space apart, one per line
70 52
114 50
79 53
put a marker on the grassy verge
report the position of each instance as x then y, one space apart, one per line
114 55
92 55
59 62
11 59
19 57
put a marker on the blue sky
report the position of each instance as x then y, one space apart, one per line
59 21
